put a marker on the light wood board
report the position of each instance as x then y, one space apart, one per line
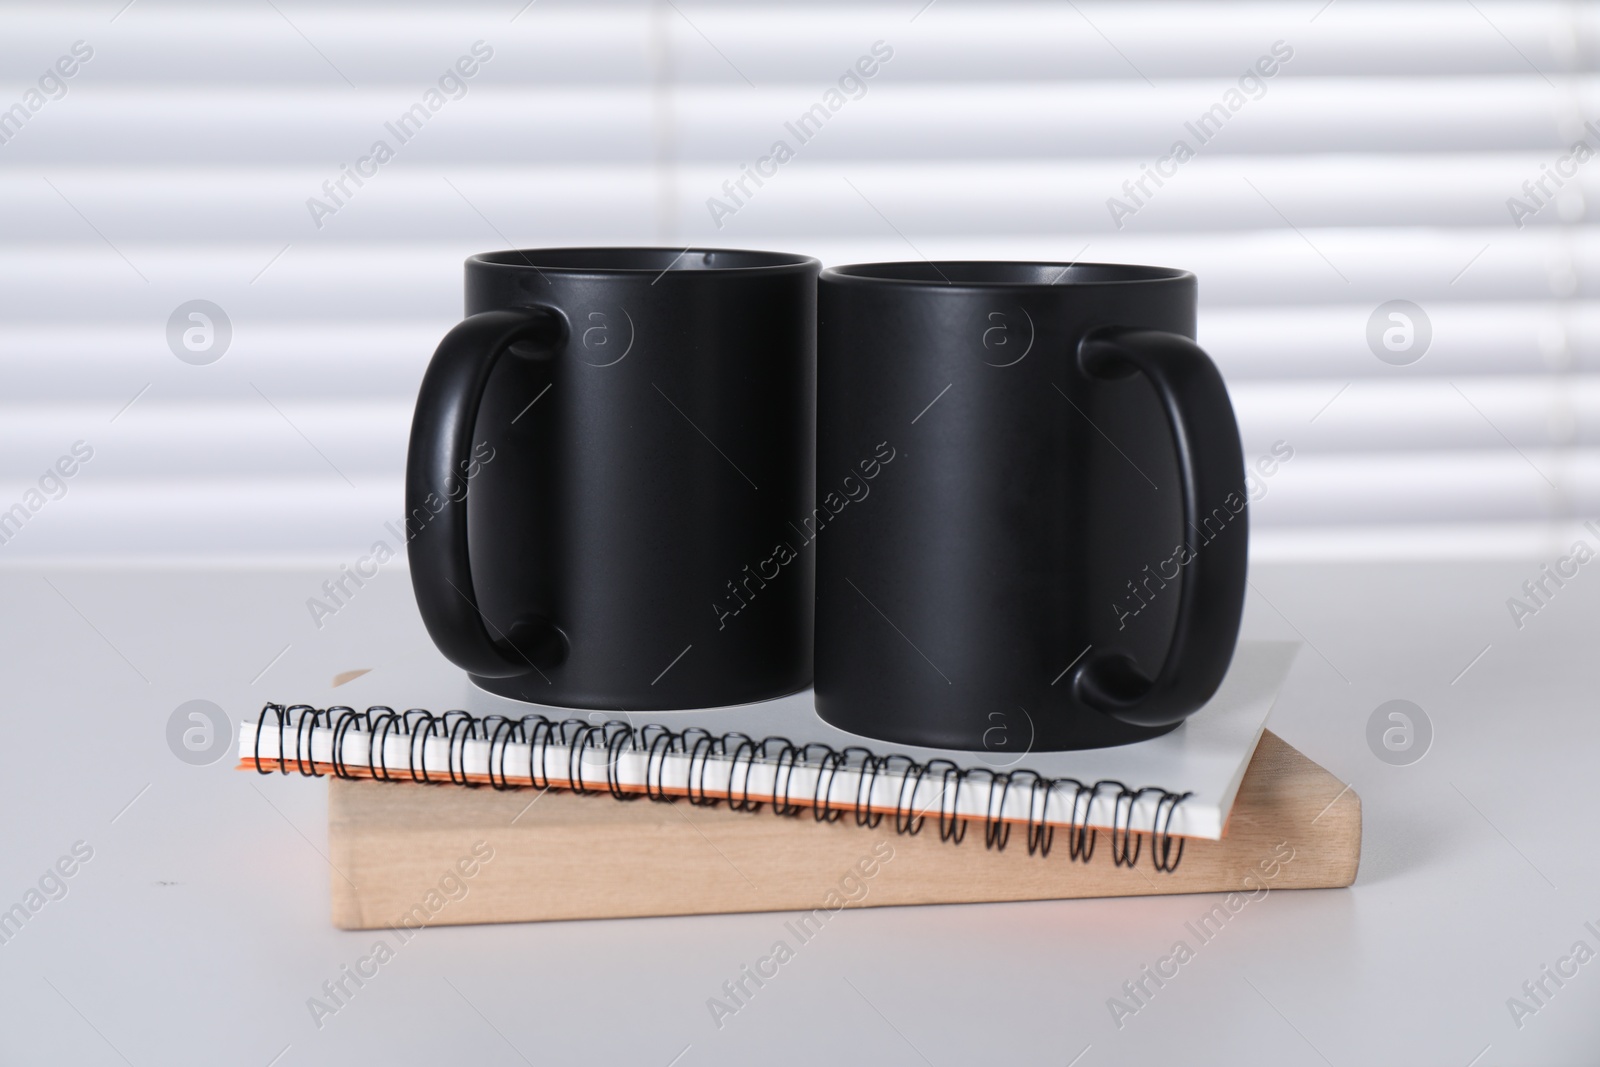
414 855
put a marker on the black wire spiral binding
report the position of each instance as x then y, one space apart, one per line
741 753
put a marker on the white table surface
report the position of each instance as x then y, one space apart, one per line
199 928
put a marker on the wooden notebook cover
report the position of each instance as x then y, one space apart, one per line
407 855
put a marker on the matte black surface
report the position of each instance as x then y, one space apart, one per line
1054 557
632 432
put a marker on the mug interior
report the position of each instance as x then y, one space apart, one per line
624 260
987 272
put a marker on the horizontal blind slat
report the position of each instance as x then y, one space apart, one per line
420 203
370 280
892 120
204 44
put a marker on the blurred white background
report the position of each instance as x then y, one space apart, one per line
1375 164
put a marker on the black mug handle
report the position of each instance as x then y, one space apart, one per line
437 471
1211 470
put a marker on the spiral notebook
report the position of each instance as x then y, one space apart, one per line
780 754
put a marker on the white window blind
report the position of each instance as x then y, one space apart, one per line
1378 162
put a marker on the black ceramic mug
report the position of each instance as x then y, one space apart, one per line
1035 505
604 454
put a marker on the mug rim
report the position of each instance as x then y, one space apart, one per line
635 260
1003 273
